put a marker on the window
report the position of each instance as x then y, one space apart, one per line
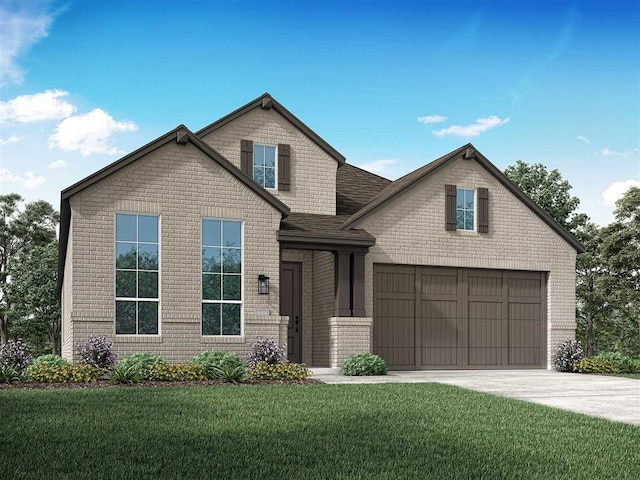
465 209
221 277
137 269
264 165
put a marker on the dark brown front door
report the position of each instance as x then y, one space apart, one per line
290 304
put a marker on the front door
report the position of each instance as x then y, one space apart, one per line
290 304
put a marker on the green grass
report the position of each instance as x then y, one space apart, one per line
303 432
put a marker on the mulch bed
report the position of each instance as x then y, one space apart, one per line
147 383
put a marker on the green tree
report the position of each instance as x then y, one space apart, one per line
33 288
20 230
550 191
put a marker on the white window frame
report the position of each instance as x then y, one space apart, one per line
137 299
475 209
242 273
275 168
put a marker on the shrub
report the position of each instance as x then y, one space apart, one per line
229 373
52 360
213 359
97 352
594 365
9 374
278 371
567 355
48 373
163 372
363 364
265 350
623 363
144 362
15 353
125 373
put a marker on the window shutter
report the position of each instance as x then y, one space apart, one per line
284 167
483 210
246 157
451 221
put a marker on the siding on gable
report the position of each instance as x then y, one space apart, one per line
410 229
313 171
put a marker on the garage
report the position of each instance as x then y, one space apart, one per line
459 318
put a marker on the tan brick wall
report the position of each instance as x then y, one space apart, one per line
182 185
323 306
410 230
67 303
313 171
348 335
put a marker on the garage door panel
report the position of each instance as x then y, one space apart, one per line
485 285
524 287
525 357
439 357
482 357
398 282
439 284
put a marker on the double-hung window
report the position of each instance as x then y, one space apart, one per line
221 277
465 209
137 273
264 165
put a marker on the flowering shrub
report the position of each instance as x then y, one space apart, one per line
143 361
52 360
15 353
265 350
213 359
187 372
363 364
595 365
278 371
97 352
623 363
63 373
567 355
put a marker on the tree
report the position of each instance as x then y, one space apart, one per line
33 288
550 191
19 231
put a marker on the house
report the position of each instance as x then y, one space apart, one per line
256 226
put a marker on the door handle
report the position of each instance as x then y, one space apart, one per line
297 323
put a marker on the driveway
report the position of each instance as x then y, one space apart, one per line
613 398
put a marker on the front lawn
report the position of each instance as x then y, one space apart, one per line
303 432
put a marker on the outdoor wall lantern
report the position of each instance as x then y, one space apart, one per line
263 284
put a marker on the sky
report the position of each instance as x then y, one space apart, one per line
391 85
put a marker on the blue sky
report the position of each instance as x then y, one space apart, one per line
391 85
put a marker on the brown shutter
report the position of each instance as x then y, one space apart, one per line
451 221
483 210
246 157
284 167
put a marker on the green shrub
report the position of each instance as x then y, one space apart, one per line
229 373
9 374
363 364
144 362
51 360
623 363
48 373
594 365
213 359
279 371
164 372
125 374
567 355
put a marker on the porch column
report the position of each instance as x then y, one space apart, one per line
342 306
358 284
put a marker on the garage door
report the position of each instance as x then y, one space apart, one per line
458 318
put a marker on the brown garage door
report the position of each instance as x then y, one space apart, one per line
438 318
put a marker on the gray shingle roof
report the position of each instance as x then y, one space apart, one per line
355 187
321 228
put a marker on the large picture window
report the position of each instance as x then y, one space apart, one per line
465 209
221 277
264 165
137 274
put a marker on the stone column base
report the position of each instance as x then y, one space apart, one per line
348 335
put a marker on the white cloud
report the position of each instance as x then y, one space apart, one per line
481 125
56 164
432 119
22 25
583 139
607 152
615 191
10 139
48 105
89 133
385 168
29 180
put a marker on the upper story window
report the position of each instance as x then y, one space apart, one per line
137 269
465 209
264 165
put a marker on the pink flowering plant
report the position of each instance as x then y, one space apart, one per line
15 354
265 350
97 352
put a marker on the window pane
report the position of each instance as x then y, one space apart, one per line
147 256
258 155
460 220
211 287
125 284
210 319
125 317
468 221
270 156
258 175
469 197
230 319
269 178
147 285
148 318
125 227
231 234
211 233
231 287
126 255
148 228
231 259
211 261
460 198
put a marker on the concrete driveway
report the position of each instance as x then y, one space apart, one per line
613 398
